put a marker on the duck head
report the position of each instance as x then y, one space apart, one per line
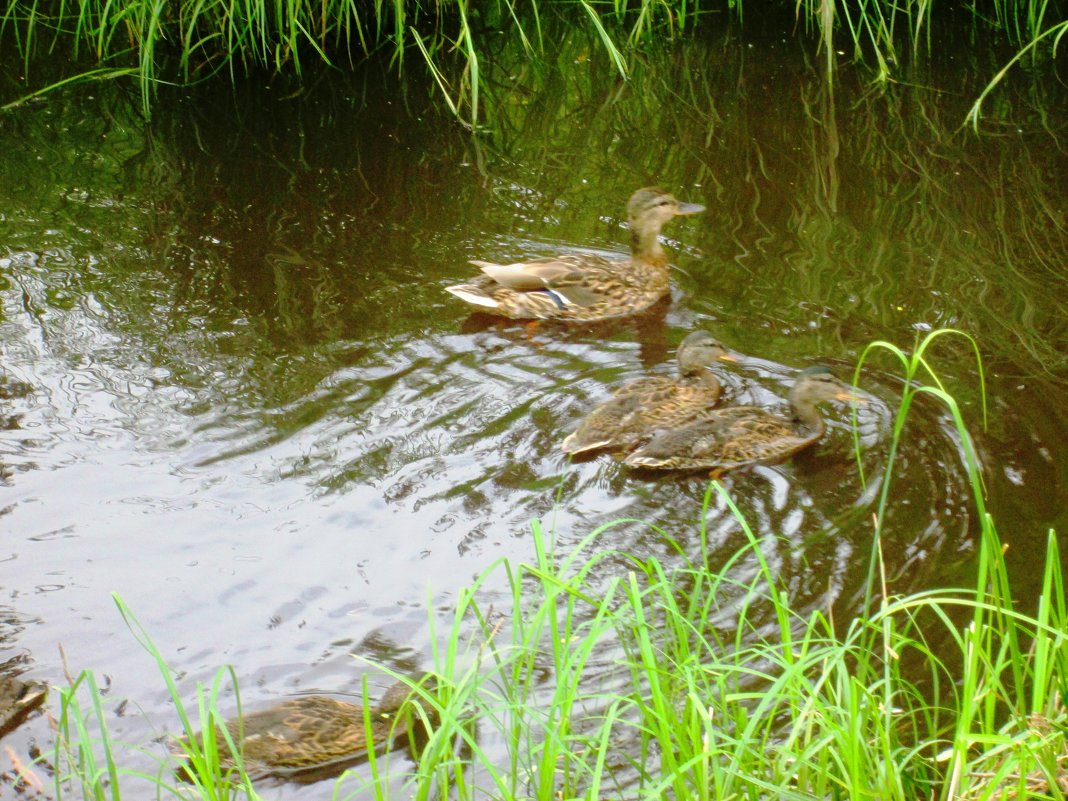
817 384
699 350
650 207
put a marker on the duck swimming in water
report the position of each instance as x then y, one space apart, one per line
313 734
654 402
583 286
725 439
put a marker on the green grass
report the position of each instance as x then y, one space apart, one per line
593 680
85 756
188 41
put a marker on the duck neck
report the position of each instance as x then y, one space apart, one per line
697 374
645 246
806 416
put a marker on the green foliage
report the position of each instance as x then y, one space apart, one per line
85 754
188 41
193 40
1054 34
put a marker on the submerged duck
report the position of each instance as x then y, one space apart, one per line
738 436
17 700
313 734
583 286
640 406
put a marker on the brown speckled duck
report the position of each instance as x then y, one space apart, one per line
584 286
17 700
724 439
313 734
654 402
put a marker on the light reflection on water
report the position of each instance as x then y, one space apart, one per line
256 415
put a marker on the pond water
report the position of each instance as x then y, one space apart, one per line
237 394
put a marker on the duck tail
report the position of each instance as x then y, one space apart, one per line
573 446
637 459
473 294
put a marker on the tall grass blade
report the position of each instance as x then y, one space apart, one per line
1057 31
102 74
609 46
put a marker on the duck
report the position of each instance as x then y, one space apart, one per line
653 402
311 735
18 699
584 287
738 436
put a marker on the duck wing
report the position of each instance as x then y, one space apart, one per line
566 275
620 420
527 275
725 438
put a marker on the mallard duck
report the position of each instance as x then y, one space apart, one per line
18 699
312 734
583 286
640 406
724 439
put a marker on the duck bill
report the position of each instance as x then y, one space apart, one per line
689 208
726 357
851 397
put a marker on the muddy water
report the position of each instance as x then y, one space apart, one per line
236 393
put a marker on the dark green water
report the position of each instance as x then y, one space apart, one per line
248 406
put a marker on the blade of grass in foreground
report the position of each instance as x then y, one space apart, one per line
796 710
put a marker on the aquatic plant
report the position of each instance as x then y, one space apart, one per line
194 40
85 756
945 694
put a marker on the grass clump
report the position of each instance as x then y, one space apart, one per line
188 41
613 675
85 758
